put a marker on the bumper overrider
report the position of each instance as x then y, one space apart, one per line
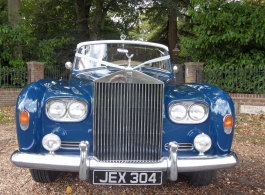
84 164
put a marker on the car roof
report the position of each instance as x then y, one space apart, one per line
122 42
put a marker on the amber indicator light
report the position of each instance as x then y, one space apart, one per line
24 117
228 121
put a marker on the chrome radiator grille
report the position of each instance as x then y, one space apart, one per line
127 122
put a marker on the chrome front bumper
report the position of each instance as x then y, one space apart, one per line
172 164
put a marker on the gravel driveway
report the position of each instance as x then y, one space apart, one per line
248 177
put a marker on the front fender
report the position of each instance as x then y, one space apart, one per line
220 104
32 99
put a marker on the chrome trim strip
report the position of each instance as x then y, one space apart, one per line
181 146
58 162
122 42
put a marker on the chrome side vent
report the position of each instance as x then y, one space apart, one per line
127 121
182 146
70 145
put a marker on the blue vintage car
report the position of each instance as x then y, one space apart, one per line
120 119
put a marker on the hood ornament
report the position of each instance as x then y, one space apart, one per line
129 61
122 50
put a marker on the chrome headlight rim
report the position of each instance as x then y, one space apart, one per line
68 102
188 104
81 103
50 103
205 115
171 107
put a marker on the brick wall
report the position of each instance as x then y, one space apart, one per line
247 99
8 97
35 71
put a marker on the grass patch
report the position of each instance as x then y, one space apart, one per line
7 115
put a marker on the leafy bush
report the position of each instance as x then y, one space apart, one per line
10 40
227 33
229 37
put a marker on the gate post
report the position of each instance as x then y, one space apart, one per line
191 69
35 71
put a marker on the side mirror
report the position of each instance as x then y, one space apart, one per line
175 69
68 65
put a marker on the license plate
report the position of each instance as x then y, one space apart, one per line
127 178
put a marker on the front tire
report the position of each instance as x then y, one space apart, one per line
201 178
44 176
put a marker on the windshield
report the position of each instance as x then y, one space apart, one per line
121 56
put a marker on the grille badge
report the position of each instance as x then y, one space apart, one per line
129 77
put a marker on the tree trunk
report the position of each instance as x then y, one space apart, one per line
13 12
94 31
81 18
104 14
14 18
172 31
98 21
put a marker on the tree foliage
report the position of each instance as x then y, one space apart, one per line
229 37
217 32
163 18
11 38
59 25
227 33
53 28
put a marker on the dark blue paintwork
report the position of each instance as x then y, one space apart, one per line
220 104
35 95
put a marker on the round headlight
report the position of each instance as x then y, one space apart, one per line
77 110
202 143
51 142
56 109
197 112
177 112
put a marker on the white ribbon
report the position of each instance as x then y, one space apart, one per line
121 67
153 60
99 61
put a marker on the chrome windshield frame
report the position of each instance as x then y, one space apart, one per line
156 59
